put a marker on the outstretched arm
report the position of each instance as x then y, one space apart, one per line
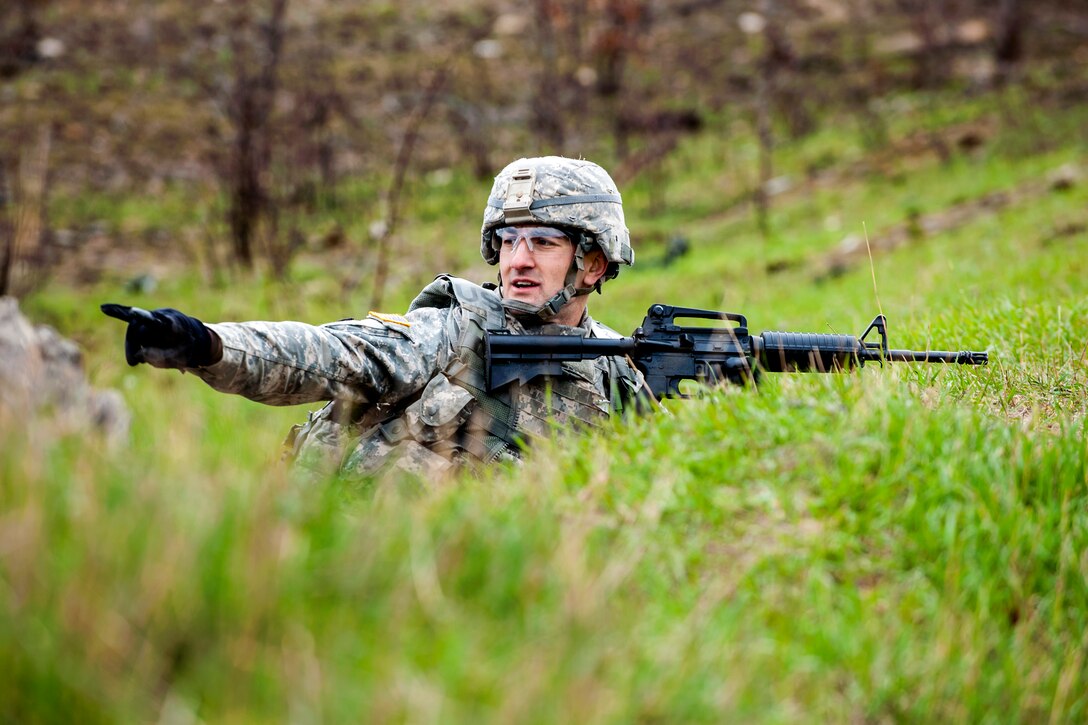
365 361
380 358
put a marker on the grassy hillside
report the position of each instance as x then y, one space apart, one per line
905 543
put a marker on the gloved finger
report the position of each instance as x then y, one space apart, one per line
135 343
156 344
133 354
126 313
156 333
144 337
166 357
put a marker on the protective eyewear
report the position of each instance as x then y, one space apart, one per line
539 240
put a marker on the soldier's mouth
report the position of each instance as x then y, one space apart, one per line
525 285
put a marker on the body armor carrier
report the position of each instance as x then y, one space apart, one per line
454 420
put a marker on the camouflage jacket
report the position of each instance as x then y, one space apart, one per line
408 391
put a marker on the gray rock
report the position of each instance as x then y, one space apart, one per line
41 375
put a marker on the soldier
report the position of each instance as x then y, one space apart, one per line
409 391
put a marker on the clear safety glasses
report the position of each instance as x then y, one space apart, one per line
541 241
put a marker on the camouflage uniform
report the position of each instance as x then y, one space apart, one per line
409 390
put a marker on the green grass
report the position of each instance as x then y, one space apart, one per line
904 543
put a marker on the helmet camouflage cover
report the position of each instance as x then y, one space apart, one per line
554 190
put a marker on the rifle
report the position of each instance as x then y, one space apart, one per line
667 353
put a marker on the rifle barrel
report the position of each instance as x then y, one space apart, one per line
963 357
818 352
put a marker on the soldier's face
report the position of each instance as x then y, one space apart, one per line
533 262
533 265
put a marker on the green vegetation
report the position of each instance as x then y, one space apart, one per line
899 544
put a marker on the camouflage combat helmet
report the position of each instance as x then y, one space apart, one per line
575 195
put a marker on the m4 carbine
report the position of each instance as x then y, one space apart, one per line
667 353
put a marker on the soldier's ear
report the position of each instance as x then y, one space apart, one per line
595 266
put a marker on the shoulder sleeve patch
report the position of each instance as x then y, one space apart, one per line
389 319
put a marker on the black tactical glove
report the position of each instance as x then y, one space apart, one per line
166 338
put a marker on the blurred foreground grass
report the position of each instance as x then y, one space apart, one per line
861 547
906 543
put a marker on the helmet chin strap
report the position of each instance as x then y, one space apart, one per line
546 313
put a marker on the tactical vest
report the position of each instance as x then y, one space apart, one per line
454 420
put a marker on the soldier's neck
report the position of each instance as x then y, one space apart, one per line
532 325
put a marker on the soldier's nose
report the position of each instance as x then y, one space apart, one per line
522 256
